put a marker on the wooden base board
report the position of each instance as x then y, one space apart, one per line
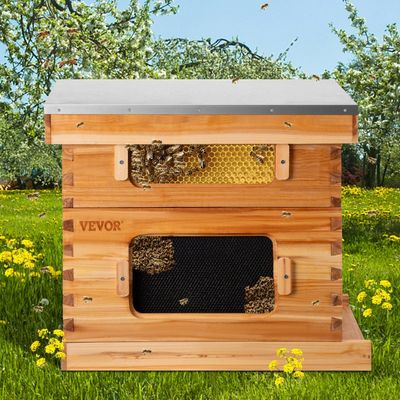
351 354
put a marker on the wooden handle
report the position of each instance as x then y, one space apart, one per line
123 281
282 152
284 276
120 163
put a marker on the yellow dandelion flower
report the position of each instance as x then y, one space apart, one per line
29 264
367 313
60 354
58 332
288 368
387 306
385 283
383 293
9 272
40 362
369 282
281 352
50 349
376 299
3 322
272 365
297 364
35 345
361 296
42 333
34 274
298 374
10 243
27 243
297 352
279 381
5 256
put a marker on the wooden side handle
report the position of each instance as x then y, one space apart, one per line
282 161
123 281
285 271
120 162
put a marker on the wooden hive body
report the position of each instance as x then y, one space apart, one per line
305 122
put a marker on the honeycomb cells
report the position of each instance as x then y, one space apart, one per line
232 164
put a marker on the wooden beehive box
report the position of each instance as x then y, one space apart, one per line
289 194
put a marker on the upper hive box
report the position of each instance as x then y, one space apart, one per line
313 117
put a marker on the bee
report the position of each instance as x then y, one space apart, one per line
184 301
257 157
288 124
174 148
87 299
264 6
146 351
42 215
79 124
72 61
315 303
149 154
286 214
43 34
201 155
235 80
258 153
202 163
316 77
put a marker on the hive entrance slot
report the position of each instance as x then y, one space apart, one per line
202 274
201 164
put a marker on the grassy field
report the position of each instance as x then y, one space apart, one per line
371 251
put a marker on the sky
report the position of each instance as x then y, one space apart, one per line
271 31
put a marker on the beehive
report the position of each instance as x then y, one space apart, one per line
235 225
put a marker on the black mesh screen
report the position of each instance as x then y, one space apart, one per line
209 276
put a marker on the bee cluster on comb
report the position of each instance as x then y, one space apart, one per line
152 254
260 298
159 163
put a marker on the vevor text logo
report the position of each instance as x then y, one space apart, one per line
100 225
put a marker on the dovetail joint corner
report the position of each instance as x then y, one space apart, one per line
68 250
68 202
69 324
336 273
336 299
68 225
68 274
336 324
68 300
336 248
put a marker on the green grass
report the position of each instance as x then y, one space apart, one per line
370 217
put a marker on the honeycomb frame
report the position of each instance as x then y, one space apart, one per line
227 164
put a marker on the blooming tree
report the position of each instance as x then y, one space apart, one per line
373 80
